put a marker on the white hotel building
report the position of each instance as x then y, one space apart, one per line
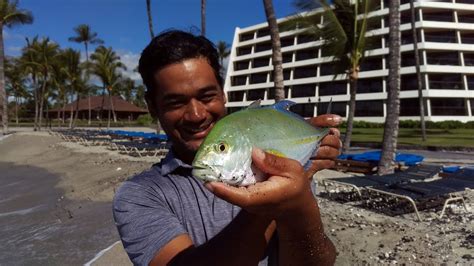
446 45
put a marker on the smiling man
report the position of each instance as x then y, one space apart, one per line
167 216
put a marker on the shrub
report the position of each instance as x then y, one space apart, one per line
145 120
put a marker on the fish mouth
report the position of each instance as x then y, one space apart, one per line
205 173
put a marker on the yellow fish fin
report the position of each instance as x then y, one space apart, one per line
276 152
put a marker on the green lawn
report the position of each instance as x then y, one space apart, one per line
436 137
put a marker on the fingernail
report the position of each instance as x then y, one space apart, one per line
259 154
209 186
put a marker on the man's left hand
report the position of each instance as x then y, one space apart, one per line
330 145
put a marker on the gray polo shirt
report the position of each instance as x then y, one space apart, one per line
157 205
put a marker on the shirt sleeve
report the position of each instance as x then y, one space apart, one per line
144 221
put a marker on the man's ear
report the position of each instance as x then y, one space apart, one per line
151 105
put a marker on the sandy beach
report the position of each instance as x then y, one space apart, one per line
55 209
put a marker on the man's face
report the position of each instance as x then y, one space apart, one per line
188 102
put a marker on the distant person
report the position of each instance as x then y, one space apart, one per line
166 216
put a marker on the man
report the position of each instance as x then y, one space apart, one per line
166 216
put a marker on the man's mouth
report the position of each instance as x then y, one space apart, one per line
198 132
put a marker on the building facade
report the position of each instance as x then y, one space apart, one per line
445 31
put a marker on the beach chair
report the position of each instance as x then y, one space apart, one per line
424 191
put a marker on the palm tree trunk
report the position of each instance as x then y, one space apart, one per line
77 109
3 94
64 109
276 47
88 90
41 100
113 110
150 20
109 112
36 95
350 117
203 17
390 133
71 115
102 106
16 109
419 78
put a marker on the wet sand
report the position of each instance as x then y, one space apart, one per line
55 204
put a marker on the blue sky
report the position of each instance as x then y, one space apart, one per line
122 24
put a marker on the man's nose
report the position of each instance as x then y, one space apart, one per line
195 112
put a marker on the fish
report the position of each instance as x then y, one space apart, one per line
226 153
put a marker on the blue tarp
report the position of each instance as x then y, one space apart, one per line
139 134
374 156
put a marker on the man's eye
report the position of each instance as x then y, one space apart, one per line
174 104
208 97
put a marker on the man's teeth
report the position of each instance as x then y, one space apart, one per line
197 130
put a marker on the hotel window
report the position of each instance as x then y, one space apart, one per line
287 57
246 36
369 108
333 88
239 80
371 63
370 85
263 32
448 106
253 95
287 41
411 107
444 36
445 81
306 54
467 37
443 16
338 108
409 82
303 38
407 37
465 16
258 78
443 58
261 62
408 59
240 65
304 110
304 72
470 83
236 96
231 110
306 90
374 42
469 59
244 50
374 23
259 47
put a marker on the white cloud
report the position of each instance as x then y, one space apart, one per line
12 36
130 60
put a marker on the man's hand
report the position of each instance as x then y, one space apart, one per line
330 145
284 191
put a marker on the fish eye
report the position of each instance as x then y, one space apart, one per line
221 147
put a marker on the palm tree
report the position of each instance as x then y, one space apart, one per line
150 20
390 133
15 80
28 55
139 99
203 17
419 78
276 50
72 70
223 52
41 55
106 65
85 35
10 15
343 35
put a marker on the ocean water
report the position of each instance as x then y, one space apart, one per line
39 226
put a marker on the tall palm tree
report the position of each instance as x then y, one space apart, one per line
276 50
10 15
223 52
150 20
203 17
106 65
343 35
15 80
72 70
28 55
85 35
42 55
390 133
419 78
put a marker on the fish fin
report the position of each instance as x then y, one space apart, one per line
255 104
283 105
275 152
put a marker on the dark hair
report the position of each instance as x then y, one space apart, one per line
175 46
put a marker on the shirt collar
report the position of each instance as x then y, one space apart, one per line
170 163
